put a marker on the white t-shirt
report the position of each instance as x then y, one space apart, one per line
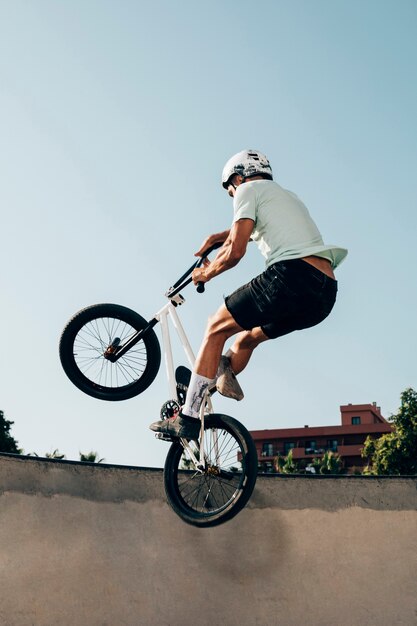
283 227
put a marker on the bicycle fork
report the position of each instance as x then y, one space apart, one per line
168 310
200 463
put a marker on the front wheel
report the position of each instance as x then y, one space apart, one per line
216 494
87 337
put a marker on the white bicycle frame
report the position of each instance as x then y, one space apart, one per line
164 315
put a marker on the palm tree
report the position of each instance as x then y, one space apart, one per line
90 457
54 455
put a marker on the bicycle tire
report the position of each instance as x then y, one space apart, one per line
84 340
222 490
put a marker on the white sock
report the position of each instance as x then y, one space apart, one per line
195 394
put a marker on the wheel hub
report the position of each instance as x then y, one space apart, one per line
213 470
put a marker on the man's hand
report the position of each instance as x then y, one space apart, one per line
211 240
199 274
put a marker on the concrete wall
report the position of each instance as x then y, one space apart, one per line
97 545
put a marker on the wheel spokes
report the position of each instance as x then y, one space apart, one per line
90 345
212 490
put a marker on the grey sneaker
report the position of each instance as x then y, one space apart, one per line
178 426
226 382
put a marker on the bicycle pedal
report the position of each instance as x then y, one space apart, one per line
164 437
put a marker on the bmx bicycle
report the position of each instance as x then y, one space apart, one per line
110 352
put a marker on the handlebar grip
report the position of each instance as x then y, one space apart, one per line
200 286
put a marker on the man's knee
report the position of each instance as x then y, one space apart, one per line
221 324
215 326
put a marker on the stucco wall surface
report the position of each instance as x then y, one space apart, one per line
98 545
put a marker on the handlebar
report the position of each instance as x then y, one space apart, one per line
201 286
184 280
215 246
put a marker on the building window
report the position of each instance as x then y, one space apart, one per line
288 445
267 449
356 420
332 445
310 447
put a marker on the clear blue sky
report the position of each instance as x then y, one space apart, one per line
116 118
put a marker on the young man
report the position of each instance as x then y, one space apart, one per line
297 290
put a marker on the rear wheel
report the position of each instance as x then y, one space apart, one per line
95 330
217 493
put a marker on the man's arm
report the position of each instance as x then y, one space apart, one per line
229 255
211 240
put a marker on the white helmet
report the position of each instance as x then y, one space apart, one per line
246 163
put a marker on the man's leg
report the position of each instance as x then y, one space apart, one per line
243 347
220 327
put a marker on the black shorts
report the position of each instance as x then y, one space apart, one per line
288 296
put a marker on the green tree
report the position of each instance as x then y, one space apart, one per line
285 464
329 463
7 442
396 452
